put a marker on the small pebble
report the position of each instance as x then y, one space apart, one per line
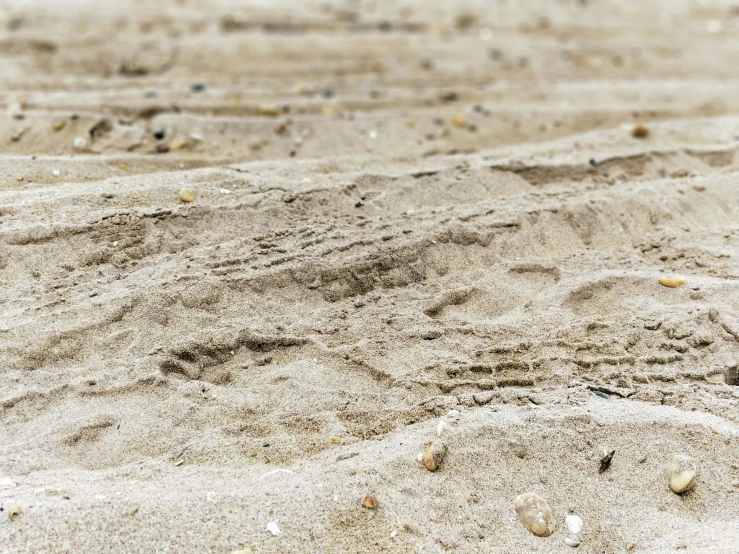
452 413
459 120
433 454
159 134
80 143
519 450
682 473
602 394
15 511
370 502
186 195
178 144
640 131
269 109
59 125
15 110
574 543
56 172
535 514
107 195
671 281
197 87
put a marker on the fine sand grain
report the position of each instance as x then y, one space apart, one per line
251 254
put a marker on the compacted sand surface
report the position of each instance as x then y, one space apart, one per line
405 213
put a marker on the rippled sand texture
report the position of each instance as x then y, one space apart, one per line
402 208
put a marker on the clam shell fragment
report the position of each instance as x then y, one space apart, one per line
535 514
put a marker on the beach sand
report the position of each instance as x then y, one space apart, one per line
401 209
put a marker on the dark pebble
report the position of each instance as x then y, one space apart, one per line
593 162
160 134
328 92
197 87
602 394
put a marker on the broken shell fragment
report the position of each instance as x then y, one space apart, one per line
574 524
535 514
574 543
273 528
433 455
370 502
15 511
440 428
682 473
671 281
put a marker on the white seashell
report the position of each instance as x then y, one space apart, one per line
572 542
80 143
273 528
453 413
440 428
535 514
574 524
682 473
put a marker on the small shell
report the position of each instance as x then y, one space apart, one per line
574 524
671 281
535 514
370 502
574 543
440 428
186 195
273 528
682 473
433 455
15 511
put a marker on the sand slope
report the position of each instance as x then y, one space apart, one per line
401 210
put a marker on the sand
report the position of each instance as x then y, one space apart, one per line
400 209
